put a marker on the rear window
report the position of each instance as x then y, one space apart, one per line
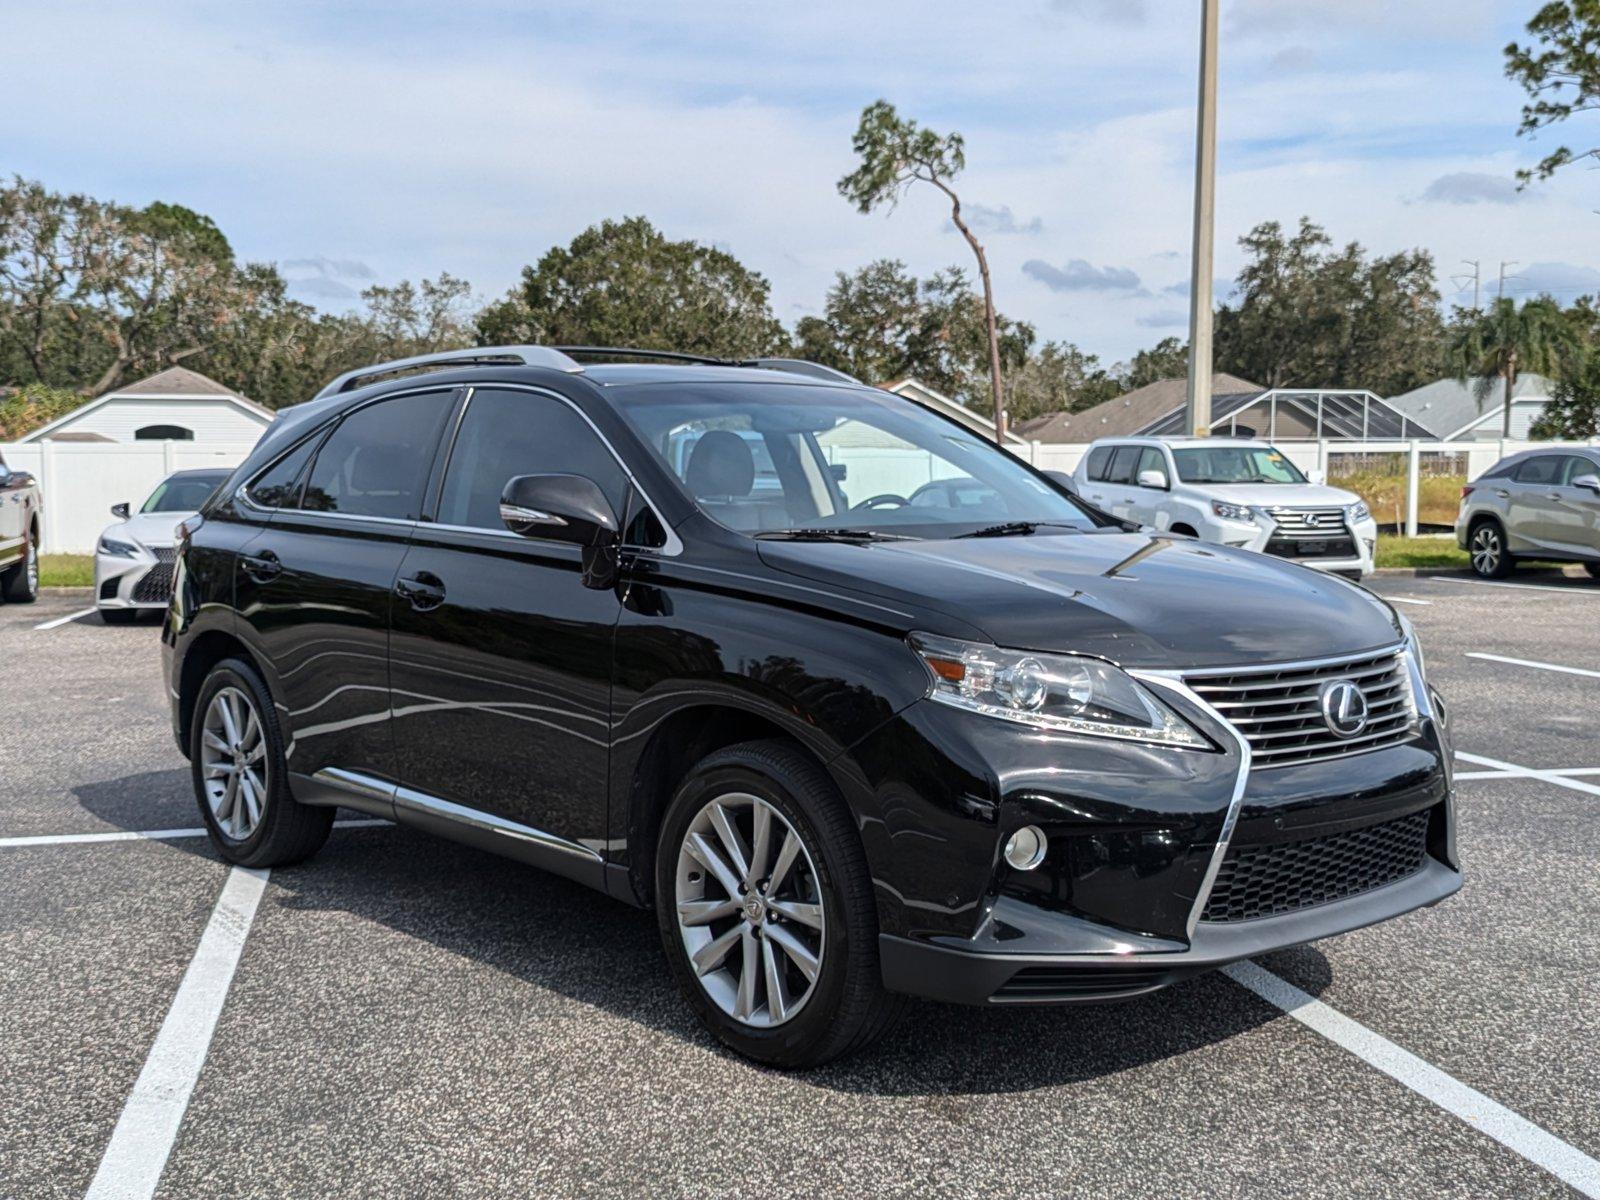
1545 468
1122 464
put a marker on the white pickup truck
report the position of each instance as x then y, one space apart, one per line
1231 491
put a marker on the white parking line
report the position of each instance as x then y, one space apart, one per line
148 1126
1405 600
63 620
1559 778
1518 1134
1528 662
151 835
1521 587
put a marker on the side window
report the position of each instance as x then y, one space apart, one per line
1500 471
1546 468
375 464
1099 457
279 485
1577 468
504 434
1151 459
642 527
1122 464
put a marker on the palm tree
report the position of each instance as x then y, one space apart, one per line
1506 339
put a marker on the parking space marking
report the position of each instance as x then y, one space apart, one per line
1528 662
1405 600
1521 587
148 1126
63 620
146 835
1518 1134
1486 775
1559 778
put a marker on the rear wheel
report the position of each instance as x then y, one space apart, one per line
1487 549
240 777
766 908
20 584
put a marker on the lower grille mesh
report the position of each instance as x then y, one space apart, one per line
154 584
1263 881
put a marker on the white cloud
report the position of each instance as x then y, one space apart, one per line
1473 187
1080 276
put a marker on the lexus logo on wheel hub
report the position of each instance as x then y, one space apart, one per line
1344 707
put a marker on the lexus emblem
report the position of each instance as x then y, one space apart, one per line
1344 707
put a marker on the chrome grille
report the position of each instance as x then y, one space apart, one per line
1307 522
1277 709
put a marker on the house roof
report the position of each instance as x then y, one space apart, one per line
1129 413
915 390
1449 406
174 383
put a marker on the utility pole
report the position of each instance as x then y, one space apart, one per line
1477 279
1205 196
1502 291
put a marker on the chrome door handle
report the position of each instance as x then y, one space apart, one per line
1501 493
263 567
424 590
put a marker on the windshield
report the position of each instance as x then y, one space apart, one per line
183 493
1235 464
769 459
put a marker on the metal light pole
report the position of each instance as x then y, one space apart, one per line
1205 196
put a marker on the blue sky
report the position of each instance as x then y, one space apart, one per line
362 142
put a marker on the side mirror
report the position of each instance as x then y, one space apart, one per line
1064 480
1153 479
1592 482
120 510
1317 475
839 471
5 474
566 508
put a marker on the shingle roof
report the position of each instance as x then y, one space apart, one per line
1129 413
1447 406
175 381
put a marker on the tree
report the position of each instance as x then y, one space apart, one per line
895 153
623 283
27 408
1309 316
1167 359
1574 409
1509 338
1058 377
1560 71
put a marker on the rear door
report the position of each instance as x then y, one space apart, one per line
1533 517
1118 487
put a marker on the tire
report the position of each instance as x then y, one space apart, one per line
283 830
1593 569
845 1006
119 616
20 584
1486 546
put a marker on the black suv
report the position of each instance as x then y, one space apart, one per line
860 704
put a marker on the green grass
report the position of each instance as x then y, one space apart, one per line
1420 552
66 570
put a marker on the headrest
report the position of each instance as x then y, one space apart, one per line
720 465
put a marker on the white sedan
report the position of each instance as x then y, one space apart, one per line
133 561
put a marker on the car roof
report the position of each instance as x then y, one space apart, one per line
1181 442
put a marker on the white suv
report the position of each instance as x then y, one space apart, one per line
1232 491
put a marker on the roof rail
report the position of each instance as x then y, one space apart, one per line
632 352
799 366
528 356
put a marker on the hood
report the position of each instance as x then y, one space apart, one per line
1286 495
149 529
1138 600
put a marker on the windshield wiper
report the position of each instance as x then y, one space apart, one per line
1016 529
833 535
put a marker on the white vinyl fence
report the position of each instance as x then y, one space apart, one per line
82 480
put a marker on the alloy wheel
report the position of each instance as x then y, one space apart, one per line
750 910
233 761
1486 550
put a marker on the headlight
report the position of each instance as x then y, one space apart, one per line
1233 512
119 549
1422 703
1057 692
1358 512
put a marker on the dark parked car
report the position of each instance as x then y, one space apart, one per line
21 515
846 750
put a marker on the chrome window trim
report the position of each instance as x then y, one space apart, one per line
1174 682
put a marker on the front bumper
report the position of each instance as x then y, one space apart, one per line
141 582
1348 549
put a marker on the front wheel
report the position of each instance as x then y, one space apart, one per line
1487 549
20 584
766 908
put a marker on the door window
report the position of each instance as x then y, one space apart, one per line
1544 469
375 464
1099 459
1122 464
508 433
1151 459
1577 468
279 485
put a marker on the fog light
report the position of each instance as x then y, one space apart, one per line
1025 848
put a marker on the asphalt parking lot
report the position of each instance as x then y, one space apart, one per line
406 1017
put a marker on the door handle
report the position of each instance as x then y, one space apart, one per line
263 567
1502 493
423 591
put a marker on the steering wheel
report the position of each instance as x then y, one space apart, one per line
882 500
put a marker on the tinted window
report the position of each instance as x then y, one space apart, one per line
1545 468
279 485
505 434
1151 459
375 464
1500 471
183 493
1235 464
1122 464
1099 457
1577 468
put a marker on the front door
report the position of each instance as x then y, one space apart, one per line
500 662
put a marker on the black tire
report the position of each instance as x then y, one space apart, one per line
20 584
1593 569
848 1007
1186 530
1486 548
119 616
287 830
